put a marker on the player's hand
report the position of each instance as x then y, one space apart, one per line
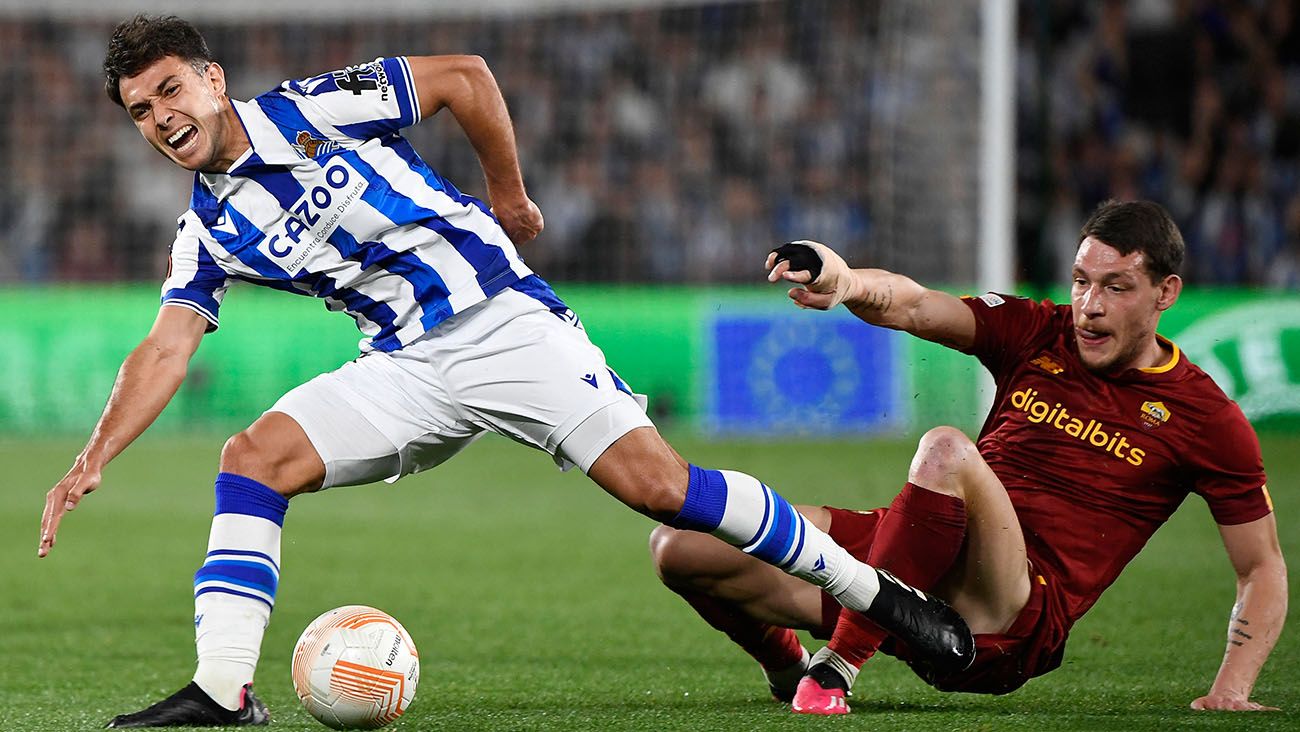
821 291
1229 703
522 221
63 497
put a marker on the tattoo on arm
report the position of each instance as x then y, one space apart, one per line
1240 632
880 300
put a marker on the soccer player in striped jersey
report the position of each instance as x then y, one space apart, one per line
1099 430
311 189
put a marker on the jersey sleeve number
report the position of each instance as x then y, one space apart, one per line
356 80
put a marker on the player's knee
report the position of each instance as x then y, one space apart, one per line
239 453
664 552
676 555
943 457
245 455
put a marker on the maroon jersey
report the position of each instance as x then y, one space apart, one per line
1094 464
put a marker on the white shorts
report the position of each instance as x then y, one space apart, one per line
508 365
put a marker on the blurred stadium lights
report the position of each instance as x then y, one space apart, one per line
308 11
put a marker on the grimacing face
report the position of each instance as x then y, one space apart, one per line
183 113
1116 308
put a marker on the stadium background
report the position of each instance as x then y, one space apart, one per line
670 144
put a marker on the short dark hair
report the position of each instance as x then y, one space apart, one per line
144 39
1139 226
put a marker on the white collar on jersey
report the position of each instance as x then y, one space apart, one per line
265 142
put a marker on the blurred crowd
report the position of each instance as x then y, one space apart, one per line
661 144
1191 103
676 144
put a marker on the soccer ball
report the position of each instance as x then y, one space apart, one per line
355 667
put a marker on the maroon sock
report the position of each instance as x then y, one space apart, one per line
917 541
773 646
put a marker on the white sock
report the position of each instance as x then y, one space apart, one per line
228 637
837 662
743 512
859 591
234 590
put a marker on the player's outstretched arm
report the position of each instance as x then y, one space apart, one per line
1257 615
465 85
879 297
148 379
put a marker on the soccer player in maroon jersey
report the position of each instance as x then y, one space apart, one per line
1099 429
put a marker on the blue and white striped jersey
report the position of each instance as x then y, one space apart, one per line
332 201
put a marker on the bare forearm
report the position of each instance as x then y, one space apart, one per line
884 298
146 382
1253 630
480 110
895 301
149 377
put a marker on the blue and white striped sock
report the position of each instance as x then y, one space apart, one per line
747 514
234 590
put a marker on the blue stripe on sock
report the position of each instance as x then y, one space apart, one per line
774 547
706 501
237 494
228 591
762 525
258 586
247 574
798 549
245 553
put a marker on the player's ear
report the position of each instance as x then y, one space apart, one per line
216 76
1170 287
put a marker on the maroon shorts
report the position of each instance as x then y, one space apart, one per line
1032 646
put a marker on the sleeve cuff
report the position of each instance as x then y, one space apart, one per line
213 322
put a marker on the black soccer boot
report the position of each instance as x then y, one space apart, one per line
192 707
935 634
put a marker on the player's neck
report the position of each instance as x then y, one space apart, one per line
1156 354
236 142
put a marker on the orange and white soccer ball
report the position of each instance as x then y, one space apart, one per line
355 667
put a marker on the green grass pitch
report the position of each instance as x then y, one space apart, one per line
531 597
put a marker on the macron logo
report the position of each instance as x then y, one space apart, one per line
225 225
820 564
590 379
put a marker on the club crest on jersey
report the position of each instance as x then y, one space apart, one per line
1154 414
309 147
1048 364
